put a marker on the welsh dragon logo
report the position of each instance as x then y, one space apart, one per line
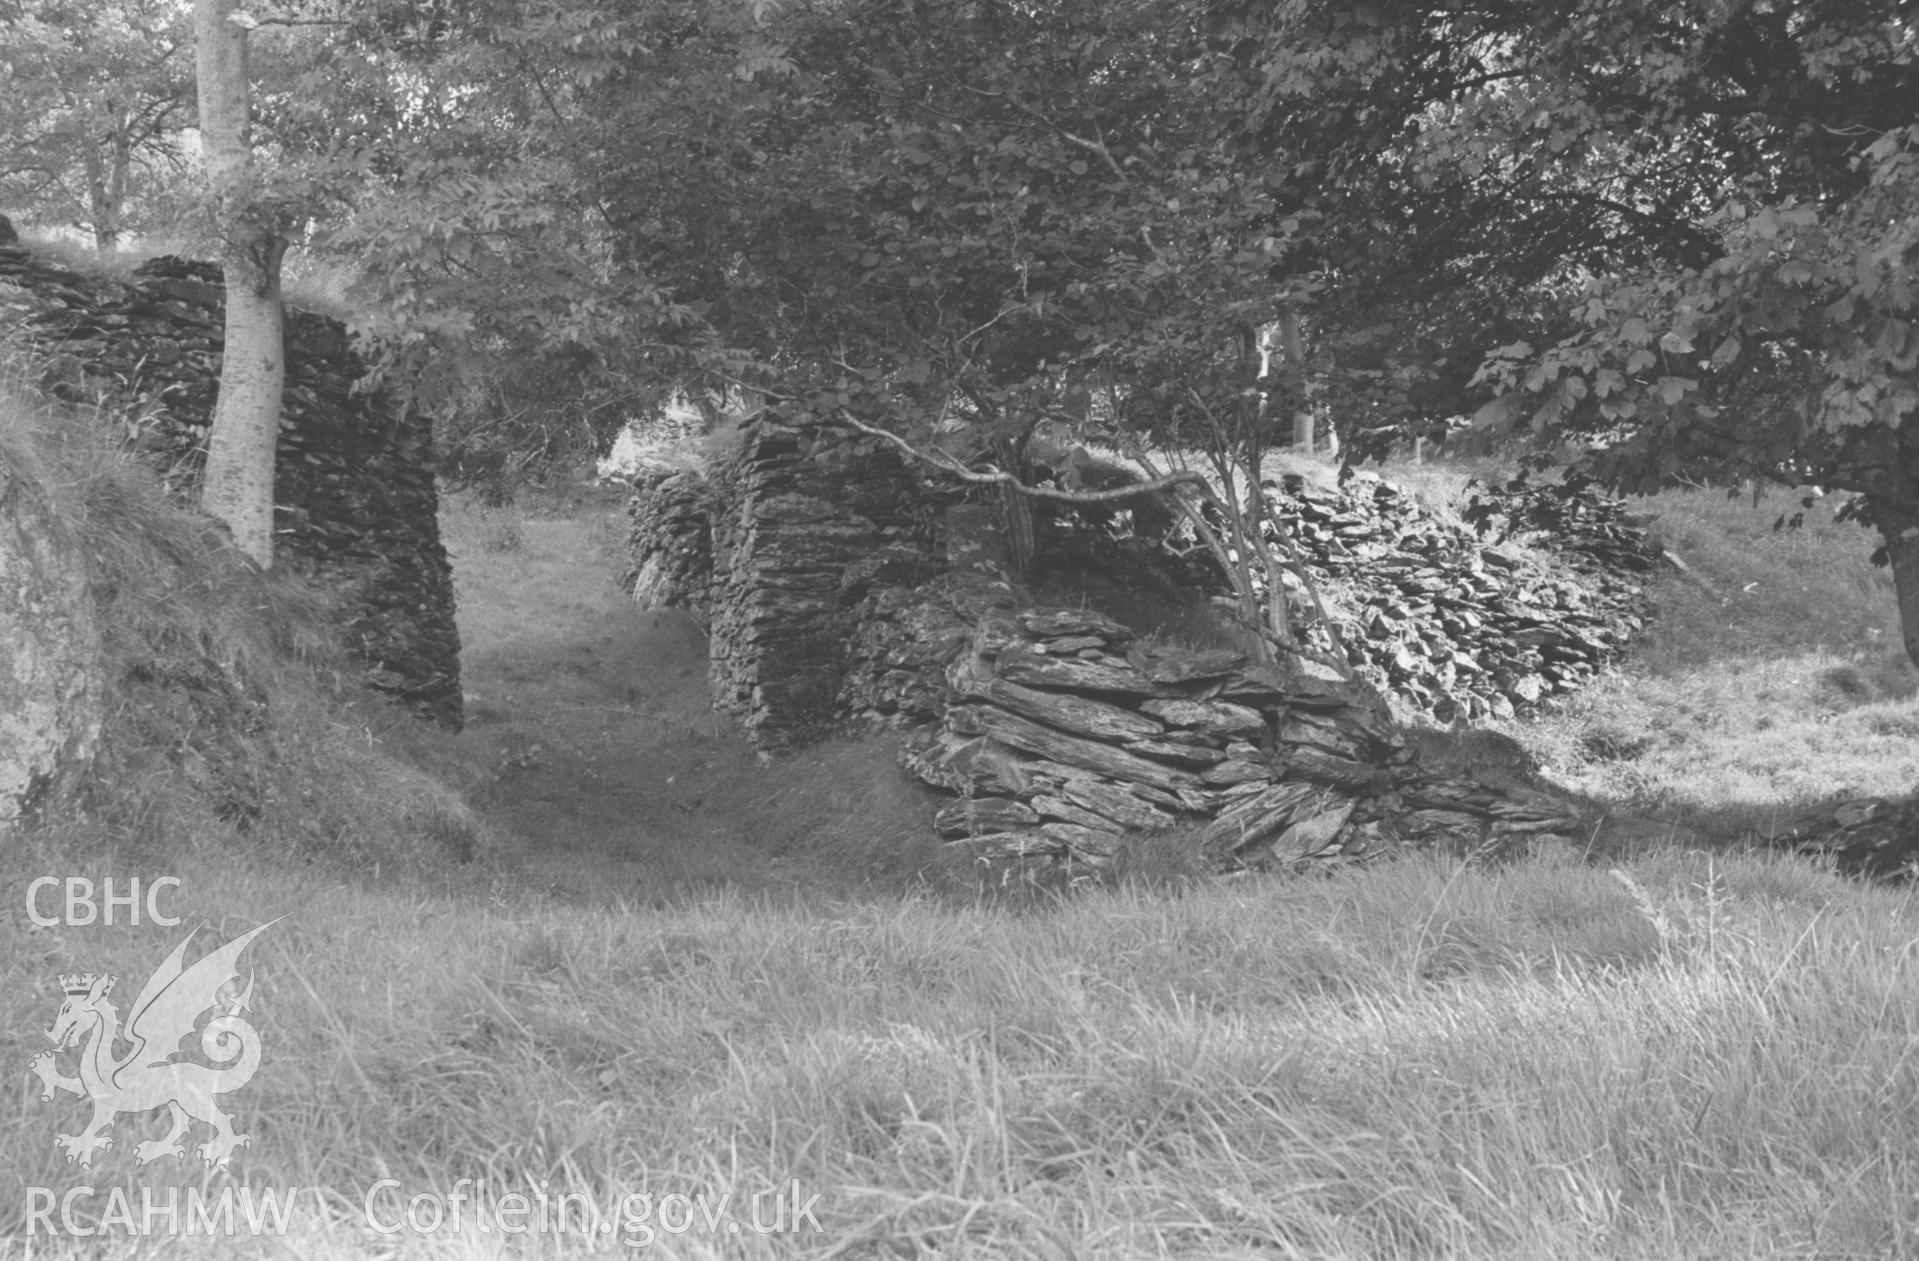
147 1076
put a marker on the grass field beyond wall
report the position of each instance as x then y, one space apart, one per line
1773 677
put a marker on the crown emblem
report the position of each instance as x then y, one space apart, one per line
80 984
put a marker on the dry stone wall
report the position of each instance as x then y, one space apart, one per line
800 525
810 553
1056 731
356 504
834 593
1063 733
671 551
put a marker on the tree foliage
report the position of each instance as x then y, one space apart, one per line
95 97
1475 170
1678 237
949 221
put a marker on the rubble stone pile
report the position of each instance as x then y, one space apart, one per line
356 502
1456 628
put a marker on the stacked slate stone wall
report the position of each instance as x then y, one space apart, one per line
1056 731
1063 733
671 552
832 596
802 524
356 504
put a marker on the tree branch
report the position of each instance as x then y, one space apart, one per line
948 464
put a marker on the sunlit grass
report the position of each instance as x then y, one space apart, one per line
1771 677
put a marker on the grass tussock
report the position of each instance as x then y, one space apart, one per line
232 718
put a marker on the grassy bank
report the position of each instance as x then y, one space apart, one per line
232 718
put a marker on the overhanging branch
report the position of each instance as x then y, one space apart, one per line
946 463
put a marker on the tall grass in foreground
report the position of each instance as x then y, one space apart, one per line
1708 1058
1711 1058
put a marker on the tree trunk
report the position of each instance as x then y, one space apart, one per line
1295 352
240 448
108 155
1015 509
118 169
1902 545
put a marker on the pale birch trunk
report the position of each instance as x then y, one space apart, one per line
108 157
240 448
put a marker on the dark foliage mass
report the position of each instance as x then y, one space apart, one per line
1671 241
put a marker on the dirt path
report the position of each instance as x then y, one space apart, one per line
590 741
592 745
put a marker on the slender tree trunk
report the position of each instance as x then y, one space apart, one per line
1295 352
119 164
1901 533
93 156
240 449
1015 509
108 154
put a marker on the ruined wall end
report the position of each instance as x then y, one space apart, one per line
356 505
